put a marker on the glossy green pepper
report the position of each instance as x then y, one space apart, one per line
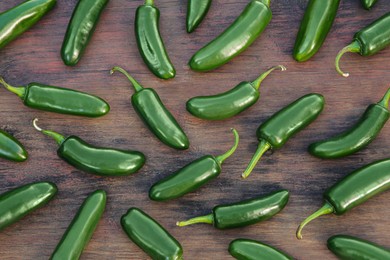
82 227
196 11
19 19
359 136
155 115
368 41
80 29
150 236
235 39
150 44
59 100
280 127
97 160
247 249
230 103
315 26
368 4
356 188
244 213
192 176
11 148
353 248
17 203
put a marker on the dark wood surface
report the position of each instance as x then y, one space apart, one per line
35 56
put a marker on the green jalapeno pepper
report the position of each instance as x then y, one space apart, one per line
192 176
82 227
230 103
353 190
368 41
97 160
155 115
359 136
150 44
59 100
235 39
353 248
315 26
150 236
247 249
368 4
80 29
11 148
276 130
19 19
196 11
244 213
17 203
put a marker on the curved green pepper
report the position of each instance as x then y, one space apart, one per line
244 213
19 19
315 26
356 188
247 249
280 127
150 44
368 41
196 11
150 236
155 115
59 100
80 29
82 227
17 203
353 248
11 148
359 136
368 4
192 176
230 103
235 39
97 160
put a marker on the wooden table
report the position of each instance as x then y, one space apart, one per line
35 56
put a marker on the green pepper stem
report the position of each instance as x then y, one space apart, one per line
56 136
385 100
20 91
256 83
353 47
208 219
221 158
266 2
261 149
136 85
149 2
327 208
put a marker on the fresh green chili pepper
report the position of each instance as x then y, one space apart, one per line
149 41
192 176
196 11
235 39
315 26
59 100
353 190
368 41
11 148
82 227
150 236
244 213
280 127
19 19
359 136
97 160
368 4
247 249
230 103
353 248
17 203
80 29
155 115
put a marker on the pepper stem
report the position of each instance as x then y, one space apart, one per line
20 91
324 210
221 158
56 136
266 2
208 219
261 149
149 2
353 47
136 85
256 83
385 100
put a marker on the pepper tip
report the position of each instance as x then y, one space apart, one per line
35 125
